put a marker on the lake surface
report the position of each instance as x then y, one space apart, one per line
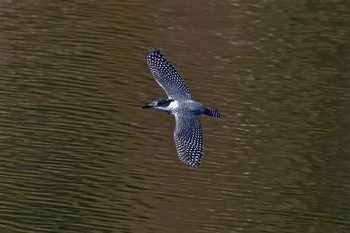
77 153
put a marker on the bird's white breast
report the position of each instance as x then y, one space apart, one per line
174 105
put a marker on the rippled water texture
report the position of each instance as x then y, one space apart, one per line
77 153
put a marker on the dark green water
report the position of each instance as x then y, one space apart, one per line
77 154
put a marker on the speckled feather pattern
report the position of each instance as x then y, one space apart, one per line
188 137
212 112
166 76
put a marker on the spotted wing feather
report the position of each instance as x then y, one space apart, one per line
188 136
166 76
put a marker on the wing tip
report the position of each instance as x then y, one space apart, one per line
192 164
154 51
191 160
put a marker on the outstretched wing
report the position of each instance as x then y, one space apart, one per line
188 138
166 76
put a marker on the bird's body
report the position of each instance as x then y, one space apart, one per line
188 135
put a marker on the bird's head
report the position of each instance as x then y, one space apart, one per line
160 104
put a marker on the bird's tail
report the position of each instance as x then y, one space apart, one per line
212 112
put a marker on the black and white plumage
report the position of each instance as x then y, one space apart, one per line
188 134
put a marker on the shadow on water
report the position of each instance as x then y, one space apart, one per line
79 155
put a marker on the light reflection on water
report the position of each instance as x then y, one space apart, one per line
79 155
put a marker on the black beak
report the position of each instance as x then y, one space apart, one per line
147 106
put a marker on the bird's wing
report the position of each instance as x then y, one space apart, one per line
166 76
188 136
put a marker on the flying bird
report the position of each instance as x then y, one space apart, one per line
188 134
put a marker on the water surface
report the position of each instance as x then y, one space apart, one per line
79 155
